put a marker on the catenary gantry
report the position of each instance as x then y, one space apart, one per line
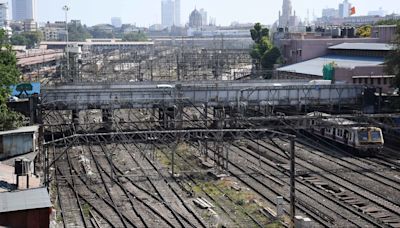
200 93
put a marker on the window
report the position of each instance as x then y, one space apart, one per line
365 80
379 81
376 136
385 81
371 81
363 136
360 81
354 81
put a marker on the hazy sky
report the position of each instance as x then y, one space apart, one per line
147 12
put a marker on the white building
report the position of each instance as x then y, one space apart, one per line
379 12
204 17
3 13
330 12
167 13
170 13
24 10
344 9
116 22
288 18
177 18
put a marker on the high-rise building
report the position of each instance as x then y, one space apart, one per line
330 13
344 9
116 22
177 20
379 12
170 13
24 10
167 13
204 16
3 13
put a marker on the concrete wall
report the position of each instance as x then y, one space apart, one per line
371 73
385 33
208 43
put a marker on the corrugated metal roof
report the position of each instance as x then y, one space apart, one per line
362 46
21 130
11 162
24 200
315 66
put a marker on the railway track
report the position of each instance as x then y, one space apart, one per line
276 173
377 209
378 174
159 186
226 200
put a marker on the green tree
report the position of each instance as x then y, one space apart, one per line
388 22
29 39
393 59
134 36
364 31
9 75
263 51
77 32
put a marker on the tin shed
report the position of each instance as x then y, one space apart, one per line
20 141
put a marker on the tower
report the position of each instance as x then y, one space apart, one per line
177 12
167 13
24 10
284 20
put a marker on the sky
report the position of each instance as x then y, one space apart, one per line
148 12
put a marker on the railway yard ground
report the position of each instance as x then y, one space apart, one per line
123 184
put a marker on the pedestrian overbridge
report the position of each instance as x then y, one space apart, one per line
202 93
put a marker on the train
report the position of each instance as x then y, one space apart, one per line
366 141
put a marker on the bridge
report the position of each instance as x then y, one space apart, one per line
189 94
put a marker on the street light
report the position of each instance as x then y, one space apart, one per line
66 9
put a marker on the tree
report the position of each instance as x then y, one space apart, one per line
364 31
134 36
77 32
263 51
392 60
28 39
9 75
388 22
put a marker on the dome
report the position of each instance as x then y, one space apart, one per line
195 19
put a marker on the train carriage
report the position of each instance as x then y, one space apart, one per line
365 140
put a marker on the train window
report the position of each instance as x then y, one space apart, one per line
363 136
375 136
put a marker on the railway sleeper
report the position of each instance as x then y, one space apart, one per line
353 200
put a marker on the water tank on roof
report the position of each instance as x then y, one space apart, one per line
22 166
351 32
336 32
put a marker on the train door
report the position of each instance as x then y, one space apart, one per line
346 137
334 133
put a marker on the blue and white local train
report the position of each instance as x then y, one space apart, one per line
365 140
